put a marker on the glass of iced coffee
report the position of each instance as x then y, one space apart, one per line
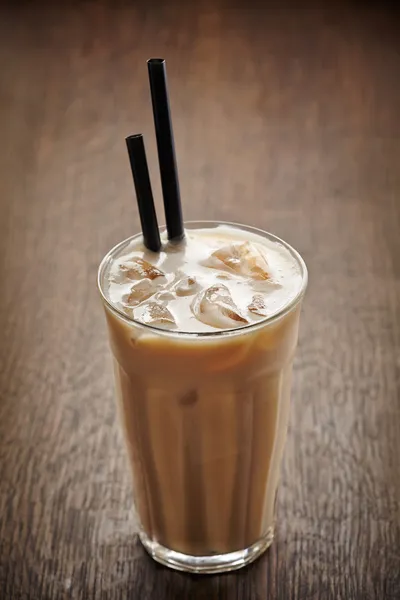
203 335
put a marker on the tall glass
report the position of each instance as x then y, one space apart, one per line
204 417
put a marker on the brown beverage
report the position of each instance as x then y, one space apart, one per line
203 335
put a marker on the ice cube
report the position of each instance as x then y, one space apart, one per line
258 305
140 290
240 258
164 296
156 314
137 268
186 286
214 306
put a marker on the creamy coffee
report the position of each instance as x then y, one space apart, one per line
203 335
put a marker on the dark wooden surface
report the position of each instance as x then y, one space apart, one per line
288 119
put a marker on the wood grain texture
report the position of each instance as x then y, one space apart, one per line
286 118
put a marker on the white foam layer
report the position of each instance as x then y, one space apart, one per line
251 278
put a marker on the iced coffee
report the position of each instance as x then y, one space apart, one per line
203 335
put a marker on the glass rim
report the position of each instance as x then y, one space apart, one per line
206 334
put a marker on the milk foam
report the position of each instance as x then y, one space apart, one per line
175 295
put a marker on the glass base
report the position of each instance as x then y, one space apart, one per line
213 563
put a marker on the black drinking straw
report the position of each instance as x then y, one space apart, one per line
166 148
140 172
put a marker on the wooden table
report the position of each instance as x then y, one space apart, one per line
286 119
